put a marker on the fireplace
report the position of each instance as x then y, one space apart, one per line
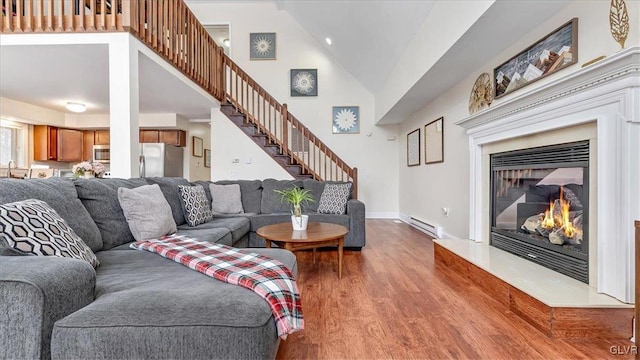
540 206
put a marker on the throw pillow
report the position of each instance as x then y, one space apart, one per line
147 212
334 199
195 204
226 199
33 227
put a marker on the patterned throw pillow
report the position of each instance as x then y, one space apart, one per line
195 205
33 227
334 199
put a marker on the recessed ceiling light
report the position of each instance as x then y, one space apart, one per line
76 107
226 42
328 40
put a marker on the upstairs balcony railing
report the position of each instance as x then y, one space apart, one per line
171 30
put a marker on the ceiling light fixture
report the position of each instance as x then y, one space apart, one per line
328 40
226 42
76 107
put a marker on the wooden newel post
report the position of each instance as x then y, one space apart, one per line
637 313
285 128
355 183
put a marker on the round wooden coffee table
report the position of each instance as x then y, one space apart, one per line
317 235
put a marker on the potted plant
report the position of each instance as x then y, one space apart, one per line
296 197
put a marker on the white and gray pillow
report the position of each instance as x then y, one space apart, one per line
226 199
33 227
147 212
334 199
195 205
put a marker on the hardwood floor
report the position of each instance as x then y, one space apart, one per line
393 302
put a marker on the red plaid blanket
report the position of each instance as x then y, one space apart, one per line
267 277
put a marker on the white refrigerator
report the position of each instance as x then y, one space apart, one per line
158 159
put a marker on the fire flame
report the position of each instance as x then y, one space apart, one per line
563 220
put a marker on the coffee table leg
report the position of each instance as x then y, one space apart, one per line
340 245
268 243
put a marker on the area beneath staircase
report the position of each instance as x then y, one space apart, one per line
555 304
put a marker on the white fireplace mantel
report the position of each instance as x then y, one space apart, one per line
607 92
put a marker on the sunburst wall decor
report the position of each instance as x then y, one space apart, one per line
304 82
346 120
262 46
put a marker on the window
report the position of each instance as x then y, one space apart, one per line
11 145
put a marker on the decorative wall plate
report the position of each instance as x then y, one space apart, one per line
304 82
481 94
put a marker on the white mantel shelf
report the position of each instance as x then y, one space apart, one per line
607 93
624 64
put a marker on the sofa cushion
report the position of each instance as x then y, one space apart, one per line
317 187
212 235
195 206
261 220
251 193
169 187
147 212
238 226
271 201
226 199
33 227
150 307
100 198
62 196
334 199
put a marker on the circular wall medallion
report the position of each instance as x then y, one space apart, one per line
481 94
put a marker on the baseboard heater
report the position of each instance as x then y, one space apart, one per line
431 230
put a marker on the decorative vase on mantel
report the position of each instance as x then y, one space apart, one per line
88 175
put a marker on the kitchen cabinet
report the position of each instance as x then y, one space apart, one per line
173 137
45 143
102 137
149 136
57 144
87 144
69 145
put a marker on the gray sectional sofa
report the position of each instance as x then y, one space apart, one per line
137 304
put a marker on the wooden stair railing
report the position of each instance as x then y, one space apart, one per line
283 129
173 32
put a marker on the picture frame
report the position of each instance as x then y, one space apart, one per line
303 82
434 141
207 158
197 146
345 120
413 148
556 51
262 46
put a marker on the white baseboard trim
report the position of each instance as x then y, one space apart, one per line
406 219
381 215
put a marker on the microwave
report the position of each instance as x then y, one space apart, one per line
101 153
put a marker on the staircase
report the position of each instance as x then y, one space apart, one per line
289 164
170 29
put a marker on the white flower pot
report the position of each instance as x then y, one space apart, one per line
299 223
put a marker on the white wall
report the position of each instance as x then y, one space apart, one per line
426 189
196 169
374 156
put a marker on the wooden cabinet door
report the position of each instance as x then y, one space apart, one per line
149 136
173 137
102 137
45 141
70 145
87 144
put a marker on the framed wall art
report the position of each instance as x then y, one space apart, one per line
207 158
555 51
304 82
262 46
196 146
346 120
413 148
434 141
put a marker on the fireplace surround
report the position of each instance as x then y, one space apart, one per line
606 93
